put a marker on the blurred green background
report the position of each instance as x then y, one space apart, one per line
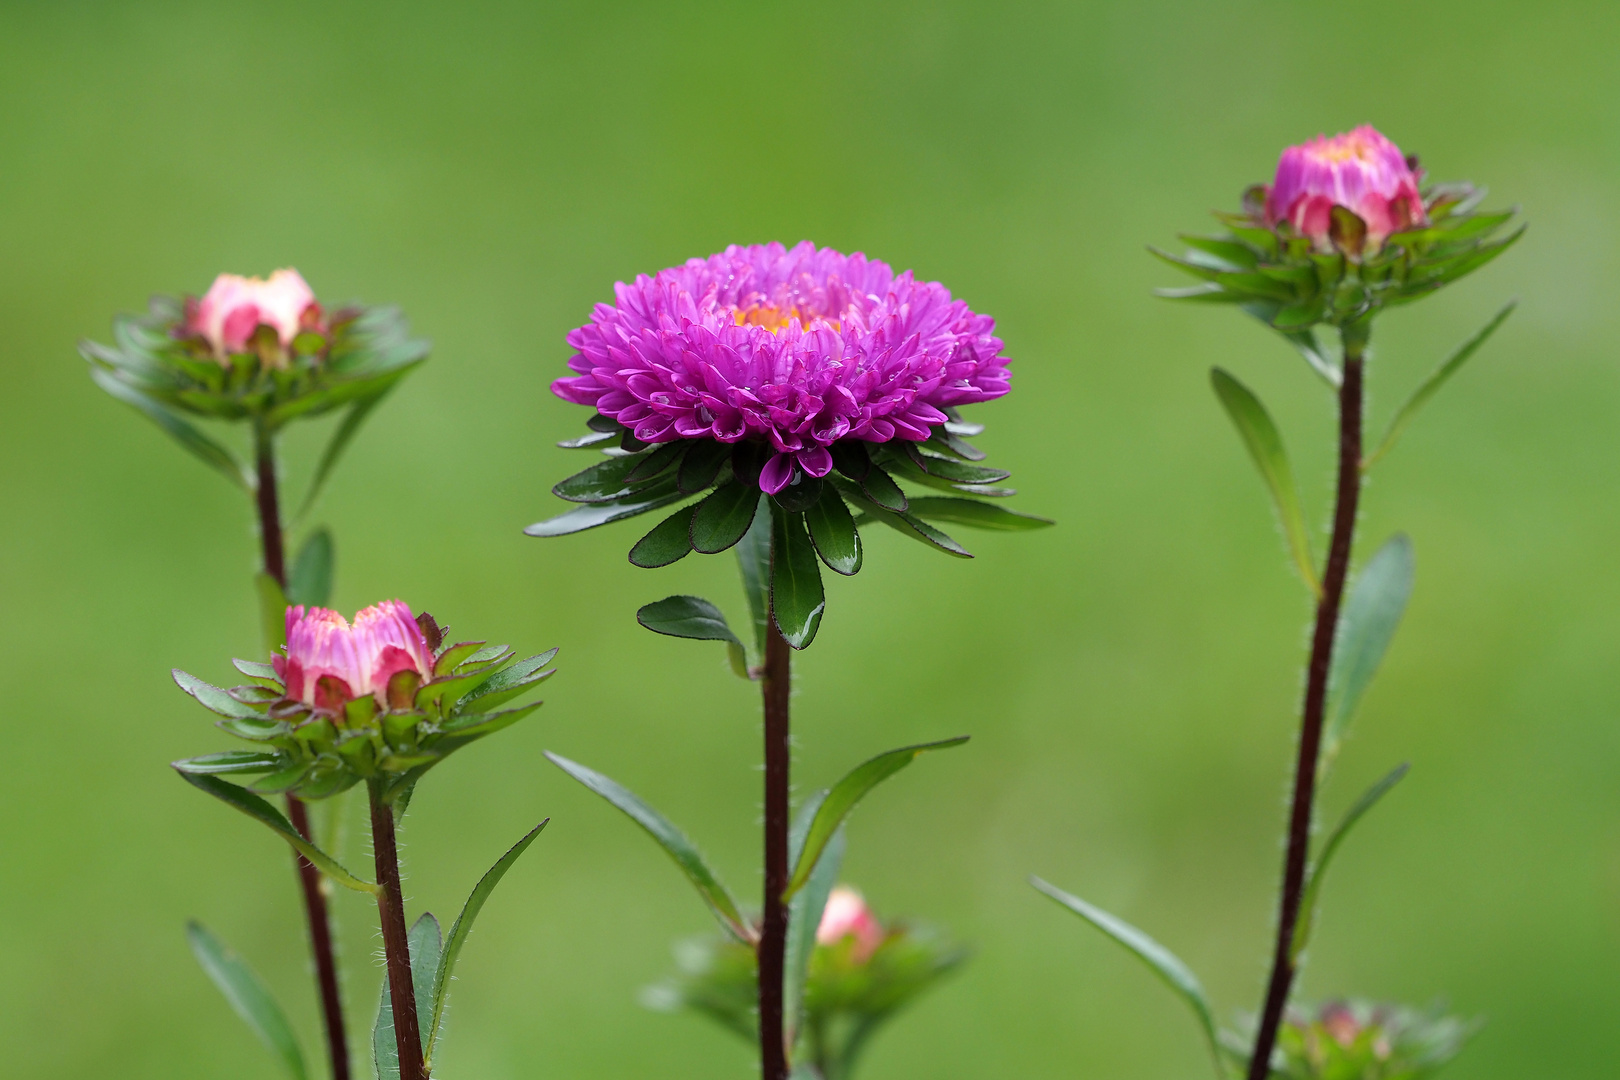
1130 677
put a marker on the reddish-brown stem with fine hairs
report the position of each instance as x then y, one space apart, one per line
1283 966
309 878
396 939
775 687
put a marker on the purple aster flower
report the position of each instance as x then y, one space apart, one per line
798 348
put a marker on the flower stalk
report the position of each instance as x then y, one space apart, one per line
1295 860
775 688
396 937
309 878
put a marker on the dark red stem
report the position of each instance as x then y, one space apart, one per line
775 687
1283 968
309 878
396 940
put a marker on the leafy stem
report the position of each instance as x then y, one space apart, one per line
1284 963
775 688
396 937
309 878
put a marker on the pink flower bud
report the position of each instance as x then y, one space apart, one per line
847 915
234 307
329 661
1361 171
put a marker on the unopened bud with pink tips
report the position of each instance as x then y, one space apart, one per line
235 307
847 915
1360 171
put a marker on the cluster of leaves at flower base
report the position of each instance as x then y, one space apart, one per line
161 369
814 520
846 998
314 753
1279 276
1360 1040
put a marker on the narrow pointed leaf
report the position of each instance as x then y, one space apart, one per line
797 600
248 997
1177 975
701 465
806 908
256 808
722 519
1371 615
843 796
272 613
425 948
1313 884
591 515
1431 385
879 487
205 448
1265 446
832 530
669 542
907 524
433 1015
671 839
975 514
215 699
231 761
606 481
754 561
345 432
310 582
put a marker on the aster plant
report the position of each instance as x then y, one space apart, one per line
861 972
379 701
779 400
264 353
1346 229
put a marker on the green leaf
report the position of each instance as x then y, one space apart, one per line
458 937
272 613
693 617
580 518
595 438
754 561
1371 615
205 448
231 761
1313 883
671 839
425 944
832 530
722 519
256 808
1431 385
702 465
605 481
1177 975
905 523
510 682
310 582
975 514
653 464
1265 446
248 997
843 797
879 487
797 601
669 542
806 908
214 699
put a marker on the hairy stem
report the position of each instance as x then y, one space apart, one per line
773 932
309 878
396 939
1316 682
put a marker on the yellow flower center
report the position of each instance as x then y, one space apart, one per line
776 319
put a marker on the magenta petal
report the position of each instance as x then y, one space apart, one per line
816 461
776 474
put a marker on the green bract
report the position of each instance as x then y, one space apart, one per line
163 370
395 736
1362 1040
1281 278
814 522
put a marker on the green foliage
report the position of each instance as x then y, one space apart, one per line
806 908
310 582
836 806
1265 446
425 945
433 1017
1164 963
1281 278
1361 1040
248 997
694 617
671 839
797 600
1371 615
1318 870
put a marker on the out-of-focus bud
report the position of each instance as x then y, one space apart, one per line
235 307
1361 172
380 698
847 916
1363 1039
